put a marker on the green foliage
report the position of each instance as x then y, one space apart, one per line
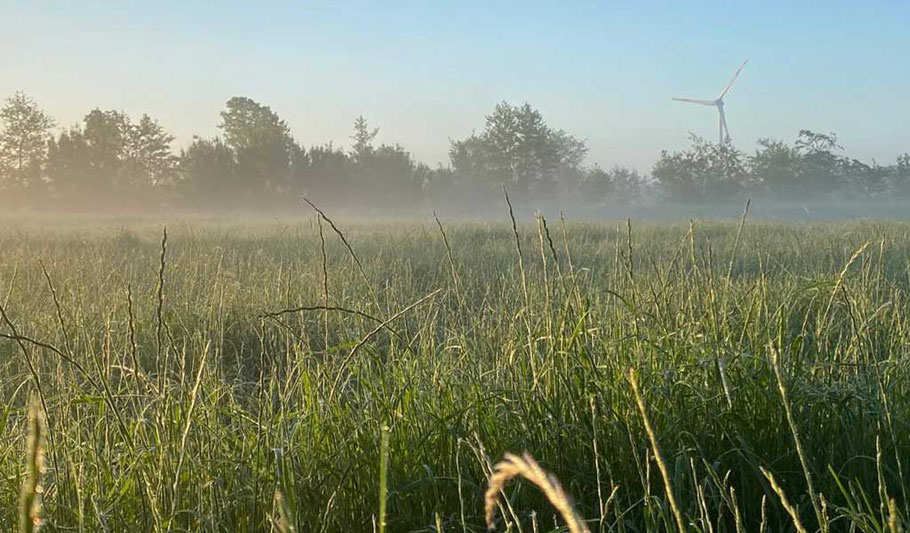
706 172
208 174
262 145
619 185
149 154
393 178
820 171
774 167
72 168
810 171
363 137
24 130
327 173
106 134
518 149
900 177
110 162
384 177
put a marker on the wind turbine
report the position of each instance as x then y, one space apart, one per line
719 104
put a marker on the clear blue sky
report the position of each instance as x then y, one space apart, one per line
426 72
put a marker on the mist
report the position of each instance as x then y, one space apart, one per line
114 163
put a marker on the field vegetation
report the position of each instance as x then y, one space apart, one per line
317 375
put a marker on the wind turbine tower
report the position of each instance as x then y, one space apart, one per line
724 135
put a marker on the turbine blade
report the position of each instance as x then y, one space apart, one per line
694 101
724 130
732 79
720 126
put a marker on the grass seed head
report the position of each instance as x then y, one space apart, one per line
513 466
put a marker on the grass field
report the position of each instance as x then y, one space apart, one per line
186 384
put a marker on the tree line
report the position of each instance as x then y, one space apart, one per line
113 161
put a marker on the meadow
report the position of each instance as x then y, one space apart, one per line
295 376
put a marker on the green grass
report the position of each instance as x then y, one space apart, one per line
193 422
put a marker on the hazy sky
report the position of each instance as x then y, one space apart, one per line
426 72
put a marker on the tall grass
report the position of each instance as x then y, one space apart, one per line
30 496
237 377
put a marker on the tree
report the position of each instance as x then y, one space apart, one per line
23 141
821 170
88 164
106 135
900 175
775 168
390 178
148 154
868 181
363 137
111 159
262 145
707 171
382 177
70 169
620 185
473 166
326 174
208 174
680 175
518 149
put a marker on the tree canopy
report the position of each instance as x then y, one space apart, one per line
517 148
111 160
24 131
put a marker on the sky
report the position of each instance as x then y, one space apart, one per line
428 72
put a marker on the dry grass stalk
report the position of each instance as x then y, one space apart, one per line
285 522
737 517
30 498
521 266
347 245
159 290
803 461
784 501
894 524
325 283
661 464
525 466
451 259
383 477
364 340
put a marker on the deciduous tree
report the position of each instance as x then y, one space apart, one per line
24 132
519 149
261 143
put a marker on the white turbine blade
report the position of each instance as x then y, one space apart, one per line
694 101
720 125
732 79
724 130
